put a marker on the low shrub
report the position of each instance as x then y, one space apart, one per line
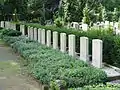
99 87
20 46
9 32
82 76
10 40
47 65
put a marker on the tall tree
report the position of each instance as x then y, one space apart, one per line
43 9
75 8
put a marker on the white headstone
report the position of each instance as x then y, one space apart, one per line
71 45
96 25
28 29
97 46
48 38
84 47
7 25
75 25
107 24
80 26
117 31
13 26
39 35
35 34
102 24
31 33
22 29
10 25
2 24
111 24
43 36
84 27
55 40
116 25
63 42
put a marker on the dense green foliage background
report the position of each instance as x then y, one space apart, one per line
42 10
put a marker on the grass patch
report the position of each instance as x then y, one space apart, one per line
9 67
2 42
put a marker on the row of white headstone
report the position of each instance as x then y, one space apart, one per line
44 37
76 25
105 25
8 25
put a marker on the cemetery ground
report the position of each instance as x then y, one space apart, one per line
12 76
56 69
60 45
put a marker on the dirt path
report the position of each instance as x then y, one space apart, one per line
11 77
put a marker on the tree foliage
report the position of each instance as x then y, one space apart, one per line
69 10
98 9
7 7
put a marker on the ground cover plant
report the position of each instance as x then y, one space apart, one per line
99 87
47 65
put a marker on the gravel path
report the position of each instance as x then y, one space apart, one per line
10 72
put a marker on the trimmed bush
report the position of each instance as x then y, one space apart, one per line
82 76
99 87
48 64
10 40
9 32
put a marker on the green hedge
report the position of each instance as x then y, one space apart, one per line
9 32
46 64
111 42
